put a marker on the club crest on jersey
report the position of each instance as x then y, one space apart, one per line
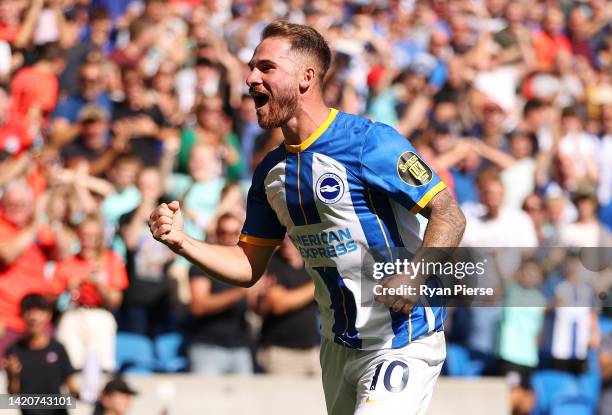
330 188
412 170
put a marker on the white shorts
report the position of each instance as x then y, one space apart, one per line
388 381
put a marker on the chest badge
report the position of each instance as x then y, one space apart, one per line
330 188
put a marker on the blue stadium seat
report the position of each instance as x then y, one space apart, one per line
605 325
134 353
590 381
168 350
459 363
578 405
551 386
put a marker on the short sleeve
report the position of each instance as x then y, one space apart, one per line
66 366
261 226
391 165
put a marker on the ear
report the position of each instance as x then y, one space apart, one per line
308 79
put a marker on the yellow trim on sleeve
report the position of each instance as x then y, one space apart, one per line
253 240
427 197
296 148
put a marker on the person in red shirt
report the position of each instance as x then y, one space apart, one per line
22 259
549 42
15 132
34 89
93 281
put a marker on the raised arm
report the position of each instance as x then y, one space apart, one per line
241 265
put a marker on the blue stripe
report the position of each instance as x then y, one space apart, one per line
291 181
368 221
385 213
344 306
399 320
306 188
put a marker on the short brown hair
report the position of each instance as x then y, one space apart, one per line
303 39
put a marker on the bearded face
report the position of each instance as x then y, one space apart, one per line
275 109
274 82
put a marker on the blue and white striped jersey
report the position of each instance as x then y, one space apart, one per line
353 186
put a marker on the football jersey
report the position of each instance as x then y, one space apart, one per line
353 187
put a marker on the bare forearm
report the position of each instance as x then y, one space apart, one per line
132 230
14 385
228 264
10 249
446 222
216 303
285 301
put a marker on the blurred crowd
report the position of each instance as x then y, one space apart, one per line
108 107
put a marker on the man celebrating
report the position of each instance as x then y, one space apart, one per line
340 186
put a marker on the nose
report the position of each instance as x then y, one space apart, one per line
253 78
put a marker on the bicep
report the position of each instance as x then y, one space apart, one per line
258 256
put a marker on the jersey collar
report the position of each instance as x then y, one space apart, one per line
296 148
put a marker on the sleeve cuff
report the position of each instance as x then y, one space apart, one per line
427 197
253 240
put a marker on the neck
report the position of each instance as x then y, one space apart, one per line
38 340
89 254
299 128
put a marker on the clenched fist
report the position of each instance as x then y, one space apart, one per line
166 224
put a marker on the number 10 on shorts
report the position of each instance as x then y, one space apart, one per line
394 376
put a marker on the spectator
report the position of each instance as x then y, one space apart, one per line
34 89
39 353
147 306
91 91
499 225
521 323
219 342
16 136
122 174
575 328
288 342
550 40
200 191
115 399
212 129
587 230
94 279
142 37
22 258
139 118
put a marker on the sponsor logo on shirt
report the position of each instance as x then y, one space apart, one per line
412 170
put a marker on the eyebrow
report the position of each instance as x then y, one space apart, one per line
252 63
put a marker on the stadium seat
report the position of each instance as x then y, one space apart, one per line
134 353
605 325
459 363
168 348
551 386
578 405
590 381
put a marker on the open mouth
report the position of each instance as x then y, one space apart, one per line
260 98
